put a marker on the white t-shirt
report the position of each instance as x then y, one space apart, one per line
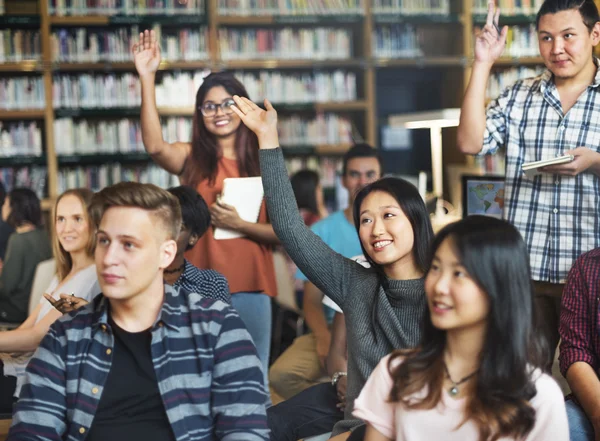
395 422
84 284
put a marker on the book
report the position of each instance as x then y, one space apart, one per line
532 168
246 195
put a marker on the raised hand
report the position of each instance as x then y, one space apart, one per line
146 54
262 122
490 41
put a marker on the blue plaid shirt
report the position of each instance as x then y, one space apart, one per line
208 283
558 216
208 374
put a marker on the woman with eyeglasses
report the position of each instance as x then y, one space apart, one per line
221 148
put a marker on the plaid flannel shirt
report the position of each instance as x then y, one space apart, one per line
558 216
580 314
208 373
208 283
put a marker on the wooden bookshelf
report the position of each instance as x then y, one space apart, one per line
455 67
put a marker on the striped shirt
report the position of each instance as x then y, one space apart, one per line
557 215
208 373
208 283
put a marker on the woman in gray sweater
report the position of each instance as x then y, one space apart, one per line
383 305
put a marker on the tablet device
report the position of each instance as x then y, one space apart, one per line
532 168
483 195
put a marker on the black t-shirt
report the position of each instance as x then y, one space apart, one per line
131 407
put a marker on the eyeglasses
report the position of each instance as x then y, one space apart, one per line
209 109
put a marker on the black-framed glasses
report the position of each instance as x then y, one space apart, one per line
210 109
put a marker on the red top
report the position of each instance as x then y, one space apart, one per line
247 265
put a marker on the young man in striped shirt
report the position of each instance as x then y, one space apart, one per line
145 360
540 118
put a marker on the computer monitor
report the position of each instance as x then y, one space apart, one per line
482 195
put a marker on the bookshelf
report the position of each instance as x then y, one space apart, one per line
76 66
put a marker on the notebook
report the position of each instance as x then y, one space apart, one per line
246 195
531 169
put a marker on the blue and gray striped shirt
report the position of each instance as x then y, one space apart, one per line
209 375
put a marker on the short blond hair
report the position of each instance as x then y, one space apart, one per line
160 203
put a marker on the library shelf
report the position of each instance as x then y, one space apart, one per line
112 20
519 61
22 114
458 61
19 20
517 19
299 19
47 204
395 17
22 66
21 160
128 66
291 150
99 112
292 64
103 158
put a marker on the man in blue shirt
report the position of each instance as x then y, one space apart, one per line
303 364
144 360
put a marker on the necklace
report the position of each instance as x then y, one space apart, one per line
453 391
175 270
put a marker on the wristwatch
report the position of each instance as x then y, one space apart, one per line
336 377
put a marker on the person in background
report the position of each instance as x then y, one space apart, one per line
476 374
302 365
27 246
144 360
580 346
221 147
73 245
5 229
540 118
181 273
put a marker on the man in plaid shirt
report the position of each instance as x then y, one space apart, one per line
540 118
580 346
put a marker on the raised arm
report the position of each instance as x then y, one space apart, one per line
170 156
328 270
489 44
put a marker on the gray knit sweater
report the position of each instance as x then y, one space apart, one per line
381 315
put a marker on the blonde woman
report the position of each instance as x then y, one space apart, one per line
73 247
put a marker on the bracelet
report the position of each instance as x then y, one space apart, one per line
336 377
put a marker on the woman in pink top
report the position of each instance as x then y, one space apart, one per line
476 375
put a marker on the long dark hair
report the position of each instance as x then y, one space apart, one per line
414 209
495 257
304 183
204 157
24 207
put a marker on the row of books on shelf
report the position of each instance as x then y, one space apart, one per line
22 93
129 7
98 177
92 91
319 43
509 7
327 167
336 86
20 44
20 139
500 80
81 45
412 7
396 41
33 177
124 135
290 7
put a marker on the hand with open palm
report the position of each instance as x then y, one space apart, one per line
490 42
262 122
146 54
